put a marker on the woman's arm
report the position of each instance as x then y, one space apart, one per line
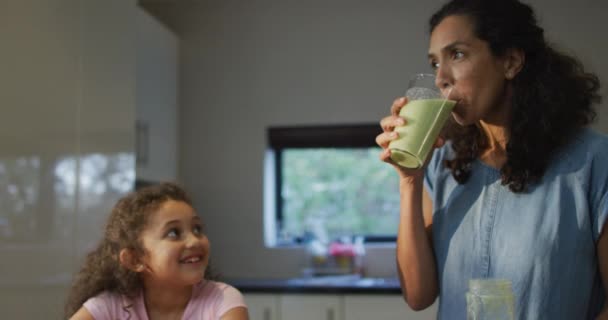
238 313
415 259
602 257
82 314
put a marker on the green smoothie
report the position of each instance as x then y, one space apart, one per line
423 121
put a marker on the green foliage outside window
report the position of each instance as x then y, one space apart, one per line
333 192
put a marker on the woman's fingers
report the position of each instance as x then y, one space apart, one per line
385 138
397 105
389 123
385 156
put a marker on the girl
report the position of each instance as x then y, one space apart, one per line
152 264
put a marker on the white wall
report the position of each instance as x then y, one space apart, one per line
66 141
246 65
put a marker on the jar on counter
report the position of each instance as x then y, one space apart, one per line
490 299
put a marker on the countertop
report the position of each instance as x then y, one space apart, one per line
319 285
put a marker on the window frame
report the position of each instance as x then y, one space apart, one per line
279 138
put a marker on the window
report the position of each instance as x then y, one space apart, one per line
327 182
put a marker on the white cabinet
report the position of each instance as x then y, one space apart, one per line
311 307
66 141
333 307
383 307
263 306
156 100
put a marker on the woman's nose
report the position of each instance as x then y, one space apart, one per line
443 79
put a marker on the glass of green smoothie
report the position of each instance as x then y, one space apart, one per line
425 114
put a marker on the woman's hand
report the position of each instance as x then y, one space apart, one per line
389 134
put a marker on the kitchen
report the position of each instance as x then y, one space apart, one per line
238 69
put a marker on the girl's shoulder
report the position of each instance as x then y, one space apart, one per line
210 288
211 299
111 305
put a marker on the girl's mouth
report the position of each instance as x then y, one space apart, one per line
192 259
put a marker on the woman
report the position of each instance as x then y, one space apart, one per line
520 189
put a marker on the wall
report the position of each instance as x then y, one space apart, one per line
66 141
246 65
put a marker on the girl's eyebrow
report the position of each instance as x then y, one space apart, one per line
169 223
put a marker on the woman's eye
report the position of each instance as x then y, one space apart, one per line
198 229
434 65
457 54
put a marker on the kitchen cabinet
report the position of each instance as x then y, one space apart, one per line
66 142
311 307
383 307
156 101
264 306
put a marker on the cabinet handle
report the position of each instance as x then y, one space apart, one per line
142 143
330 314
267 313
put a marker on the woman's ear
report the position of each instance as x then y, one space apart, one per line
128 260
514 60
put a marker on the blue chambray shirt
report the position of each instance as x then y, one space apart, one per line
543 240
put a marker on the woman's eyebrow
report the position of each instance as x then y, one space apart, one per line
449 47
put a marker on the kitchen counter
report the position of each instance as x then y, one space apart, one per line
321 285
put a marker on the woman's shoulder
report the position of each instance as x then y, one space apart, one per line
585 158
588 145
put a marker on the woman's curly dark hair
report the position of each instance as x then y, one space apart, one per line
102 270
553 96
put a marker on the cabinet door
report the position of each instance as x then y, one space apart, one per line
383 307
156 99
262 306
311 307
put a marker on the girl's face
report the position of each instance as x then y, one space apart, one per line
177 251
465 63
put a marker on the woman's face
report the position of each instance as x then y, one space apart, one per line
465 64
177 250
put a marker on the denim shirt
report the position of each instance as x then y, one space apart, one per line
543 240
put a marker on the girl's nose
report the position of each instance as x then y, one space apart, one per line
194 240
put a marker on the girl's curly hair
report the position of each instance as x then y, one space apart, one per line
553 96
102 270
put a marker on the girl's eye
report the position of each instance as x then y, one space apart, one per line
198 229
173 234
